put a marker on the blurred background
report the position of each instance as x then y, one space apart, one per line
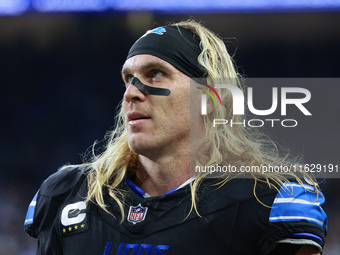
60 82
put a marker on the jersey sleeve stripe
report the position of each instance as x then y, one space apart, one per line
297 218
28 221
293 190
307 236
295 201
298 203
31 209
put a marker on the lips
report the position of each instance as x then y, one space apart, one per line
134 116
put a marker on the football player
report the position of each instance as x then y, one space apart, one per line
140 196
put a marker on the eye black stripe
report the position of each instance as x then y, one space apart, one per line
149 90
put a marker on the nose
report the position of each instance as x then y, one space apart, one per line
133 94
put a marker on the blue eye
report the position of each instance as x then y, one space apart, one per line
157 74
130 79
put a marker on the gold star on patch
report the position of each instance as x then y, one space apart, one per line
82 225
64 230
75 227
69 229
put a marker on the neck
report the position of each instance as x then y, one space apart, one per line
157 177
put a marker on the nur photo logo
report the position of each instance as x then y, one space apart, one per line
280 99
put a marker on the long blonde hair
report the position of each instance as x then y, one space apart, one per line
236 144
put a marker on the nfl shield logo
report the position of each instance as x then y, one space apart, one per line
137 214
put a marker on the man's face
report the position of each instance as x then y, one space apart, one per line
156 124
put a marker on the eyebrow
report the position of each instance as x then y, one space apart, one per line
147 66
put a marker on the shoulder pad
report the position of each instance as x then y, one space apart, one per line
63 181
55 189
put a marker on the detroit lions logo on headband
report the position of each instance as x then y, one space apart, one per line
158 30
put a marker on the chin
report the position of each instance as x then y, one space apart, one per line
139 147
147 149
